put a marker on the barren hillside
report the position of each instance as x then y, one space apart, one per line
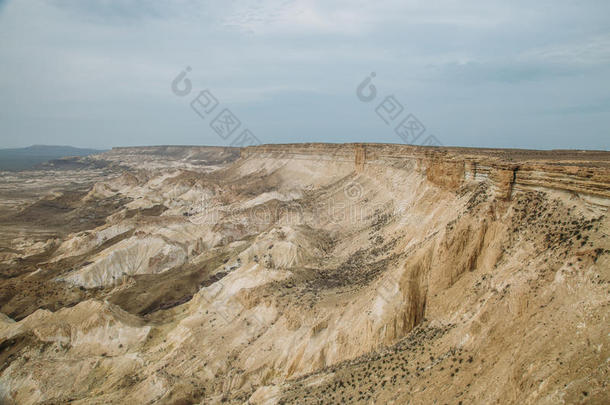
307 274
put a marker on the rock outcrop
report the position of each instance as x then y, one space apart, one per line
313 273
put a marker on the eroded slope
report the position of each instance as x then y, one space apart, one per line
321 274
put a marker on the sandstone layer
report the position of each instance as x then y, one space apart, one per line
308 274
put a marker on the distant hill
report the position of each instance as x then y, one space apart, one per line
28 158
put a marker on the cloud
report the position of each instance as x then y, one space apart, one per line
102 10
355 17
598 106
293 17
69 65
508 72
537 64
118 10
588 51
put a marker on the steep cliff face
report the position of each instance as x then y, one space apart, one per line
583 172
321 273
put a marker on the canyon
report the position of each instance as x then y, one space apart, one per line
307 274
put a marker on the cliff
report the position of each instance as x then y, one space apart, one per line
584 172
309 274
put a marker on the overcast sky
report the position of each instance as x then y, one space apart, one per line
98 73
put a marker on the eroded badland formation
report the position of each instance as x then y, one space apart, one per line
307 274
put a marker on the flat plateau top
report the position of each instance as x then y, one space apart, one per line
592 158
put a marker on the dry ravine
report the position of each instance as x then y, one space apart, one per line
307 274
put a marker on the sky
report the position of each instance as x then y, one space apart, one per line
103 73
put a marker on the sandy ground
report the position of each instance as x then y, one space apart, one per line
307 274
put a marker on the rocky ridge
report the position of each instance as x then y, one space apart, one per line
314 273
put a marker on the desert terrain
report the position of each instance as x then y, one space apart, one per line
307 274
